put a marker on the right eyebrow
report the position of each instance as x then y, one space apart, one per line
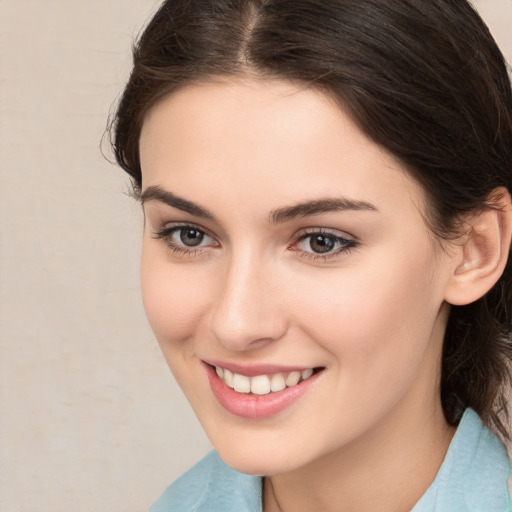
155 193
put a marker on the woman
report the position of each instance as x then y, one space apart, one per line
325 264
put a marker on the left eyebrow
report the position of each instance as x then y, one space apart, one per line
317 207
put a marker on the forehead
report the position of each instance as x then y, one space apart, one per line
279 140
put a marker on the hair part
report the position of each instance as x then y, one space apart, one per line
424 80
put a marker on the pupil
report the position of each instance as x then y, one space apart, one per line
322 243
191 237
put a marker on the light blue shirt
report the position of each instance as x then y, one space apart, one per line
472 478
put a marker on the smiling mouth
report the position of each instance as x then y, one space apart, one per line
263 384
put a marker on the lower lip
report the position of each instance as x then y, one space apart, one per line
256 406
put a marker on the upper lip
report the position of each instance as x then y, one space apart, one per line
251 370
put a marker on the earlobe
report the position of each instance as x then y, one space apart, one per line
483 254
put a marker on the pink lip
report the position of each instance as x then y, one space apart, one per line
254 406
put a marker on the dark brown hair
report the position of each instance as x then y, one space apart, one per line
424 79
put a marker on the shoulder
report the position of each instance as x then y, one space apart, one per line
473 476
211 486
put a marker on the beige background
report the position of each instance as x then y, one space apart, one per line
90 418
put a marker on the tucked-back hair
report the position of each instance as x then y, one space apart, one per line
422 78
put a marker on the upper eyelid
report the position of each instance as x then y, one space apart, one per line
221 230
296 237
170 226
337 233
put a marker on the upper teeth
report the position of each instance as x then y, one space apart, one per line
262 384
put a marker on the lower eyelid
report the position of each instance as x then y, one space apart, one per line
312 256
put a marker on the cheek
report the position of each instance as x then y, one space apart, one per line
376 316
173 297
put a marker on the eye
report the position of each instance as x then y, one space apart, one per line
191 237
185 238
321 243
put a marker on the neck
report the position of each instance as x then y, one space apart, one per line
388 469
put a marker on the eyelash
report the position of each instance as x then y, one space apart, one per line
346 244
165 234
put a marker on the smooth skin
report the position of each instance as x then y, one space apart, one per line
225 277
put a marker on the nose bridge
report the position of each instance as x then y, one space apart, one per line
245 313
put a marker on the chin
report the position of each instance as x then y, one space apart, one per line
253 465
259 461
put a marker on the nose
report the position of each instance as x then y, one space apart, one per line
246 313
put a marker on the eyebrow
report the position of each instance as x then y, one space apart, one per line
278 216
155 193
317 207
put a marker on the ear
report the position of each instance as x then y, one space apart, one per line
481 258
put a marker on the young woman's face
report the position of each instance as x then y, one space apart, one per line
282 245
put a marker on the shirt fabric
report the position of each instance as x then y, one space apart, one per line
472 478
